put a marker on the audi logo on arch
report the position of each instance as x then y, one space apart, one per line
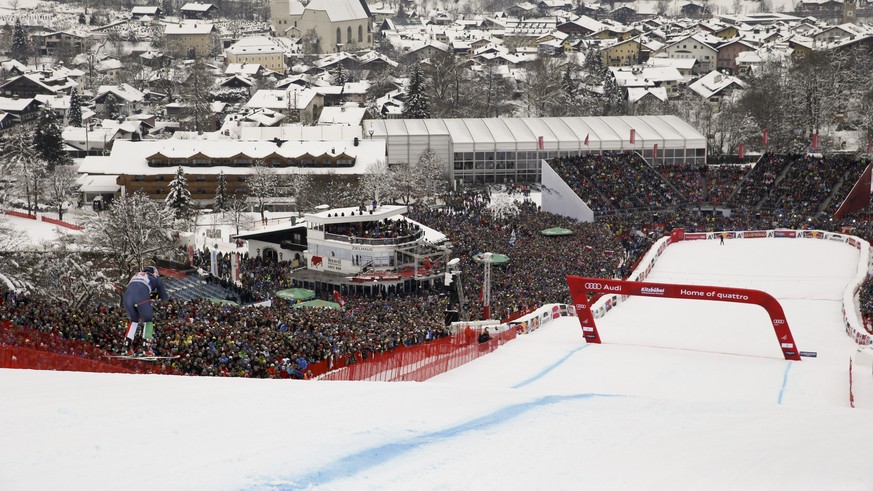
593 286
581 306
778 322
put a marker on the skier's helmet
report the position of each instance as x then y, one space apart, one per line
151 270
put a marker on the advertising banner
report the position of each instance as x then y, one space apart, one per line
580 286
785 233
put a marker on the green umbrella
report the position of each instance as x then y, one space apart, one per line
317 304
222 302
556 232
296 294
496 259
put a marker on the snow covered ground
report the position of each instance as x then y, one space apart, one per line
681 396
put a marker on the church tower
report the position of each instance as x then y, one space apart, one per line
279 12
850 15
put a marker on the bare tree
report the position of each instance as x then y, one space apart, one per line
133 230
542 91
263 183
59 187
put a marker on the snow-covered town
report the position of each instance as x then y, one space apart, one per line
401 195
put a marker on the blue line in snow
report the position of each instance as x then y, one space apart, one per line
368 458
784 382
549 368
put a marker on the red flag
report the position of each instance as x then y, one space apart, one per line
655 152
814 141
540 143
765 137
339 298
586 141
633 135
742 150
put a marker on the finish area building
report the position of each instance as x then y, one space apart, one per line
501 150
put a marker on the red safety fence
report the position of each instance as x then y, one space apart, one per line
418 362
61 223
20 215
22 347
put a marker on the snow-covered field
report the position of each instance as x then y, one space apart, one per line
691 395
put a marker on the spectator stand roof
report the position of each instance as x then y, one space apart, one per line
558 134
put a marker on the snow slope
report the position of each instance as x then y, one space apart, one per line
681 395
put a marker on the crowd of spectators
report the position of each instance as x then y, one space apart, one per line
537 263
279 340
615 181
271 341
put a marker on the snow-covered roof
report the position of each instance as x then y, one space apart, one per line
344 215
678 63
255 45
131 158
564 133
636 93
8 104
714 82
298 132
105 183
124 92
144 10
342 115
292 98
196 7
188 28
340 10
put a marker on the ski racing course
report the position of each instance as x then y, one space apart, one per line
681 395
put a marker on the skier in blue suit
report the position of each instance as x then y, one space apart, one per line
143 287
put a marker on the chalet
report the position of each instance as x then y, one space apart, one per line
194 10
20 110
728 52
292 102
583 26
55 42
141 11
715 86
696 47
693 9
127 99
30 85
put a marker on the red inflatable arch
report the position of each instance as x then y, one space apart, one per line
580 286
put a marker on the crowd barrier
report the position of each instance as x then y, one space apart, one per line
61 223
852 321
22 347
421 362
46 219
20 215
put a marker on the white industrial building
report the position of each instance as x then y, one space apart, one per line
500 150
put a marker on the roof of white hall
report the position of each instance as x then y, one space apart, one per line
131 158
558 134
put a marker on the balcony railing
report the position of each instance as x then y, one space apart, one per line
374 242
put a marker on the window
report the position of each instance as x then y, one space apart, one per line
339 38
349 35
360 34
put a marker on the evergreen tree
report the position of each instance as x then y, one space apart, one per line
20 47
75 114
48 141
340 77
110 106
417 105
221 192
571 90
179 198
